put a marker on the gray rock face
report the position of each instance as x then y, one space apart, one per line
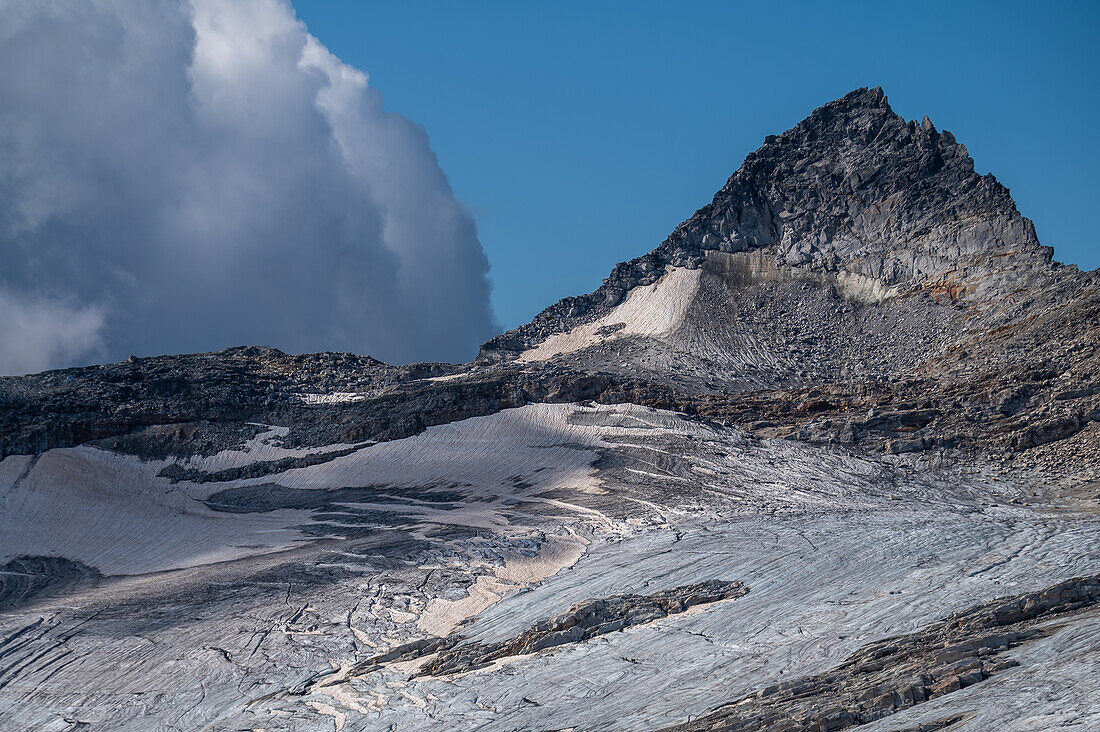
856 187
854 383
852 188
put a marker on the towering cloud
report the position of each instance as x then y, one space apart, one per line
182 176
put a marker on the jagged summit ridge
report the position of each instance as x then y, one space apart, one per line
857 186
852 189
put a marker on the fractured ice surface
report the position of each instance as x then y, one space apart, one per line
552 505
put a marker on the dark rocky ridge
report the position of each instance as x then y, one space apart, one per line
972 337
202 403
580 623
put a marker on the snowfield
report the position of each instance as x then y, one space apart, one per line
485 527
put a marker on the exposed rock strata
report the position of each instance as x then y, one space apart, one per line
582 622
895 673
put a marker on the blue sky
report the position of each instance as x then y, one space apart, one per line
580 134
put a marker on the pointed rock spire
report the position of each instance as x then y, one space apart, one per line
852 189
855 187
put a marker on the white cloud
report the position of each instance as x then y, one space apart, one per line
38 333
206 173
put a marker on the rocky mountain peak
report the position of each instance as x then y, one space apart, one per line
855 191
856 187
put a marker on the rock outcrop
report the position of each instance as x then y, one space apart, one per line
896 673
854 190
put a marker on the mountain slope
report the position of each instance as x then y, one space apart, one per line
737 487
857 195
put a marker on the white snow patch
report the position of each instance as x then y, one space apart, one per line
442 616
336 397
651 310
111 512
114 513
448 377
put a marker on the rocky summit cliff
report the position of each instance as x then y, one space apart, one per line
827 457
855 192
